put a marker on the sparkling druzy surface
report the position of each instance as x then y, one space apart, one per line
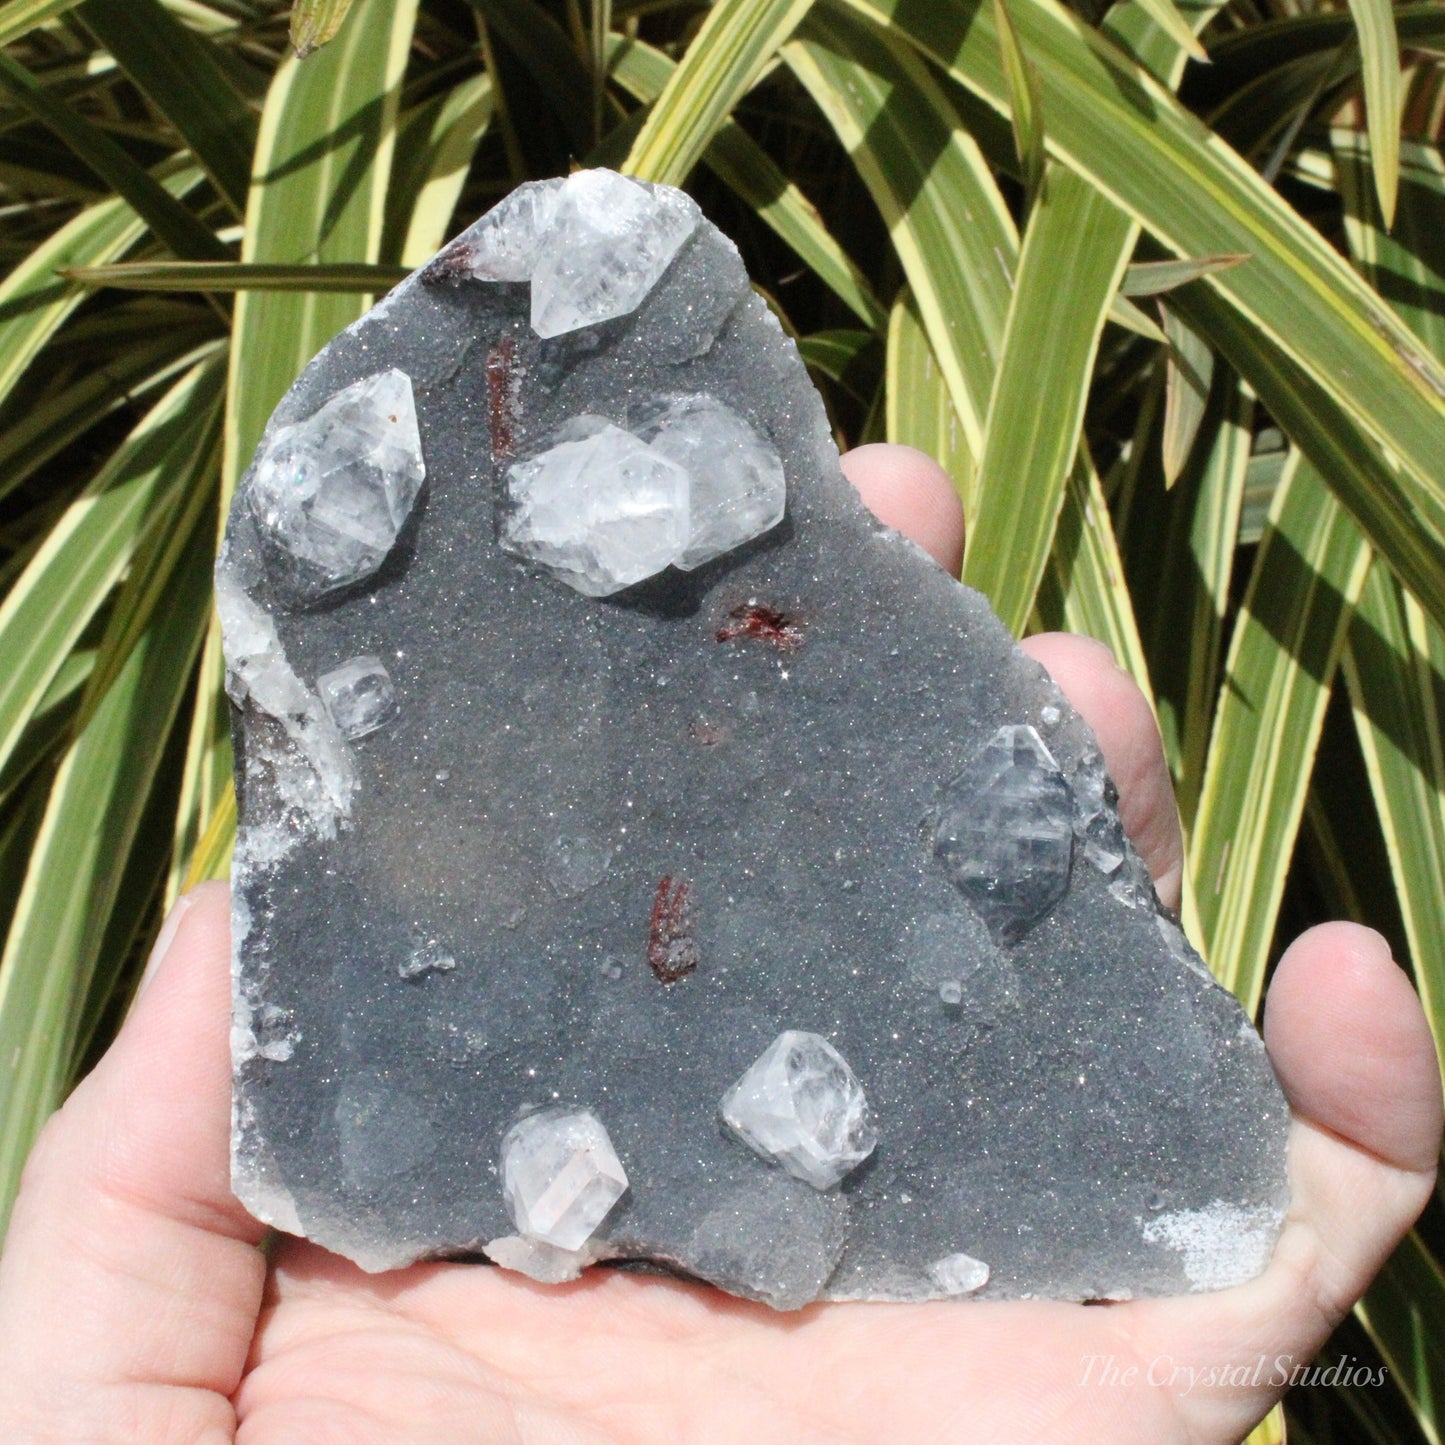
593 856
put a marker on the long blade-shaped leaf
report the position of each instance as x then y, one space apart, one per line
721 65
360 279
1112 122
86 553
747 169
920 411
35 300
1073 255
1384 94
950 227
315 22
20 17
1405 1315
318 196
180 75
172 223
1307 578
1189 369
96 805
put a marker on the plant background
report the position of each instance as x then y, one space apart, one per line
1176 328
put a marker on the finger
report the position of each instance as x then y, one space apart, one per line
1355 1058
911 493
130 1281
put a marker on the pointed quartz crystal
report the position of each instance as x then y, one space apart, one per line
801 1105
560 1176
1005 832
332 493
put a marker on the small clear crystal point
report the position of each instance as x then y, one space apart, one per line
503 244
560 1176
801 1105
607 246
359 695
958 1273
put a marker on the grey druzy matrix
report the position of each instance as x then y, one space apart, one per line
646 856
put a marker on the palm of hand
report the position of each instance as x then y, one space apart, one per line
134 1304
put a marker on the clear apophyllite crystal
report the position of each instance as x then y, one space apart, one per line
598 508
958 1273
359 695
560 1176
333 492
609 241
738 489
801 1105
504 243
1005 832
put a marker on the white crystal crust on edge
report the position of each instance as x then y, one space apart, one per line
560 1176
801 1105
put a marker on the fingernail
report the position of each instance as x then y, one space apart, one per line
163 942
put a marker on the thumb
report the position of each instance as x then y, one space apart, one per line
130 1282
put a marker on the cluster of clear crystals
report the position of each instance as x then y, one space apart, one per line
738 490
592 246
332 493
958 1273
602 508
359 695
1005 832
801 1105
560 1176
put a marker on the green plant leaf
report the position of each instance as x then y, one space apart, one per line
954 236
1189 369
172 223
920 411
1306 580
179 74
746 169
20 17
315 22
1404 1312
1151 278
87 552
1123 312
1025 106
1166 15
96 804
318 197
179 276
1073 255
735 42
1384 94
35 300
1112 122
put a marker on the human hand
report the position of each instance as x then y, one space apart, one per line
135 1304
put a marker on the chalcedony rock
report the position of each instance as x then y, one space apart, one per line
513 969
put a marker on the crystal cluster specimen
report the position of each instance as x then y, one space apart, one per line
645 856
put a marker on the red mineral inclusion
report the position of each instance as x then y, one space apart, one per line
766 624
502 386
671 947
